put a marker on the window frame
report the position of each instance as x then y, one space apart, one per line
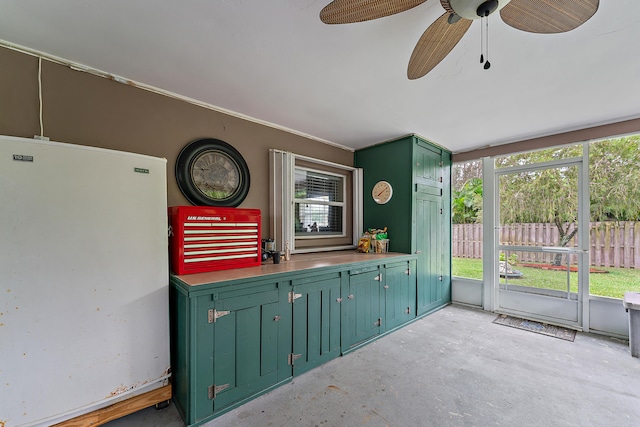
282 167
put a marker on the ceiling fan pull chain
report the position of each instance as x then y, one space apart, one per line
487 64
481 41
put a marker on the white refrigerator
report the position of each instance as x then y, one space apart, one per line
84 319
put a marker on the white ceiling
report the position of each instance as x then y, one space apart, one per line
275 62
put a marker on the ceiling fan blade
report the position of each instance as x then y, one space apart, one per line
436 43
348 11
548 16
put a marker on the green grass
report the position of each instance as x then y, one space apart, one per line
612 284
467 267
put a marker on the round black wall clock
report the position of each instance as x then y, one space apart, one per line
211 172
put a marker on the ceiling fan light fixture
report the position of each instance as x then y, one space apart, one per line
473 9
487 8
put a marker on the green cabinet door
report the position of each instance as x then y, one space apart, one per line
363 310
433 220
316 321
245 353
428 230
430 291
399 294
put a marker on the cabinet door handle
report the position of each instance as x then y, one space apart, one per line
418 252
386 286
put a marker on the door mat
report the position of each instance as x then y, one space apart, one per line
537 327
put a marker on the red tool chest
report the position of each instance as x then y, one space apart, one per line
207 238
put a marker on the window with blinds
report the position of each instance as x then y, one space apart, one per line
318 203
314 205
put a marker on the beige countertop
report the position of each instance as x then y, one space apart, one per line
297 262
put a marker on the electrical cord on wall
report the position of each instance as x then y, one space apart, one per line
40 95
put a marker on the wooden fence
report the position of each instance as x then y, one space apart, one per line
611 244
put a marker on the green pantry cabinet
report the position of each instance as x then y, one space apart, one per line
418 215
237 334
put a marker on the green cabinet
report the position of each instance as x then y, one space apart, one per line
362 313
399 294
245 348
377 300
229 343
235 339
418 215
316 321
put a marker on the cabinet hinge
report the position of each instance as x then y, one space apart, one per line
214 390
408 272
408 310
441 211
338 299
441 163
440 278
213 315
378 278
292 358
440 179
293 296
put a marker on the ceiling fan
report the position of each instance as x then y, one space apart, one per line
534 16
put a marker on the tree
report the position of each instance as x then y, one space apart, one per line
614 166
464 171
467 192
467 202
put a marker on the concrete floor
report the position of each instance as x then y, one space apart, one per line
452 368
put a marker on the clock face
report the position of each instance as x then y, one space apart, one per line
216 175
382 192
211 172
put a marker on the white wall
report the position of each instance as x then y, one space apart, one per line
607 316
